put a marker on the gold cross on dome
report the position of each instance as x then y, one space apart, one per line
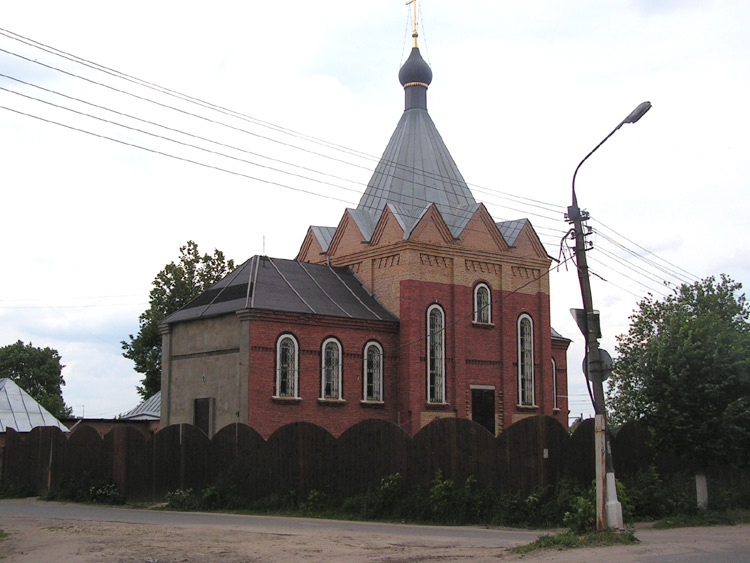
414 33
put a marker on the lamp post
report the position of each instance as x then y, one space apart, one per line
609 511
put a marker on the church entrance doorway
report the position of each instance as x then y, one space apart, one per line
483 406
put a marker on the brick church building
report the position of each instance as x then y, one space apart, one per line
418 305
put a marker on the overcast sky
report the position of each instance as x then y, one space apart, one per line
522 91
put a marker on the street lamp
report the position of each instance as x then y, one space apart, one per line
588 322
634 116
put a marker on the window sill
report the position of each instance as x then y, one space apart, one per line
438 406
556 409
527 407
331 402
286 400
372 404
476 324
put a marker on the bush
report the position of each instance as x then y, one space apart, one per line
106 493
582 519
84 489
646 498
316 502
183 499
15 491
544 507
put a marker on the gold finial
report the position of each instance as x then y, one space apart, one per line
414 33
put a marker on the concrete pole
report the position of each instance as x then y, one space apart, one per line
613 516
600 449
590 329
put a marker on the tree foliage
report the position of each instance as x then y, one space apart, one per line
684 367
37 371
173 288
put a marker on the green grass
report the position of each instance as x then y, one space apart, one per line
3 535
705 518
569 540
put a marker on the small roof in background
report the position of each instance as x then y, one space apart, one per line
557 336
324 236
511 229
150 409
20 412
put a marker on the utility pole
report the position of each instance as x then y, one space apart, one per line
609 510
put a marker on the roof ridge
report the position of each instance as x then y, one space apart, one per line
290 285
354 294
323 290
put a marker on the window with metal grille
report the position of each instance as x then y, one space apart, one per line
373 376
435 355
482 304
330 385
287 366
525 361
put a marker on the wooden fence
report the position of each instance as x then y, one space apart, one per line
532 453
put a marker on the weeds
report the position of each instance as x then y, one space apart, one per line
571 540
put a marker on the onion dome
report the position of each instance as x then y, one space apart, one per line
415 76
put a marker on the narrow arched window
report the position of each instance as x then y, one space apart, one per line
554 385
525 361
373 372
482 304
287 366
435 354
330 384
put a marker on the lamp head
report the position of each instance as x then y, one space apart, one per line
637 113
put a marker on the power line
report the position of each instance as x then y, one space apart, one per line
501 194
693 276
78 60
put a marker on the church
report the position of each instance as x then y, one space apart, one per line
416 306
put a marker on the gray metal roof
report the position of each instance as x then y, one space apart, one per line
324 236
20 412
557 336
511 229
274 284
150 409
415 171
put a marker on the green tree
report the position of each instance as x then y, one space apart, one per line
173 288
37 371
684 367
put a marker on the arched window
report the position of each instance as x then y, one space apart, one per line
287 366
554 385
525 360
435 354
373 372
330 380
482 304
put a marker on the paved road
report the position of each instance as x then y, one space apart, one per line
449 535
311 539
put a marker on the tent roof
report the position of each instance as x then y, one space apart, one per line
287 286
20 412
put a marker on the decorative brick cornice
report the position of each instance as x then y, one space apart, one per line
386 261
525 272
482 267
435 261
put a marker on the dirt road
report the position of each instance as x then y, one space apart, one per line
57 532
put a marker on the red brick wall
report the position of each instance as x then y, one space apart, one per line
475 354
267 414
